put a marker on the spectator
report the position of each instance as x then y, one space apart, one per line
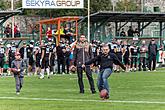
143 55
136 32
130 32
8 31
65 60
152 53
59 56
2 57
122 33
134 50
49 34
16 31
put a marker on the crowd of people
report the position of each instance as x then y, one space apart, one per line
130 33
61 58
8 31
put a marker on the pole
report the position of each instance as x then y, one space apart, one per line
40 33
113 4
88 20
142 5
12 8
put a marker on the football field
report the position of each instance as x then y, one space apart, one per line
129 91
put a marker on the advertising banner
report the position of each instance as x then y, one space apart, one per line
53 4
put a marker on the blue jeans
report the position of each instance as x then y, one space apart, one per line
102 82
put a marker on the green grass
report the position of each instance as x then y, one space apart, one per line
64 92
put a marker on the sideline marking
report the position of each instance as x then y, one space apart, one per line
81 100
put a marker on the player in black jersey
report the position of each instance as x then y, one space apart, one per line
134 50
52 59
118 52
37 57
2 55
30 48
12 51
45 60
126 55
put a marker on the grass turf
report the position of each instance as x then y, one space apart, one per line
64 92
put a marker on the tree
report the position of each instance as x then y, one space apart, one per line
125 5
5 5
97 5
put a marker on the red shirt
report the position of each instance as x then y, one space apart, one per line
49 33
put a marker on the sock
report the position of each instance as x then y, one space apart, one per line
42 72
48 71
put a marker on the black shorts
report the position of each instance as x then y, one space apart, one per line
126 61
119 57
31 61
45 63
1 62
38 63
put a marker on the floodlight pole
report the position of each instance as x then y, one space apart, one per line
88 20
142 5
12 8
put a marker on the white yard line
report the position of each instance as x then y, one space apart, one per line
82 100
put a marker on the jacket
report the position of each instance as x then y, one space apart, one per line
82 53
106 61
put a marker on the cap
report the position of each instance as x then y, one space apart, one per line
17 53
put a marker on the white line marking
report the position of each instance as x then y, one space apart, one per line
81 100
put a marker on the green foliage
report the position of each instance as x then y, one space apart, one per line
4 5
126 6
98 5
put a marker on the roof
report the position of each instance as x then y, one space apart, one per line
62 19
127 17
7 14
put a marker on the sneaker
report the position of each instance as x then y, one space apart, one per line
81 92
93 92
63 73
130 69
41 77
154 70
148 70
51 73
17 93
48 77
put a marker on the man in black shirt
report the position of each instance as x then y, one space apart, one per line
122 33
134 50
130 32
45 60
59 56
152 53
24 54
2 56
106 61
126 55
